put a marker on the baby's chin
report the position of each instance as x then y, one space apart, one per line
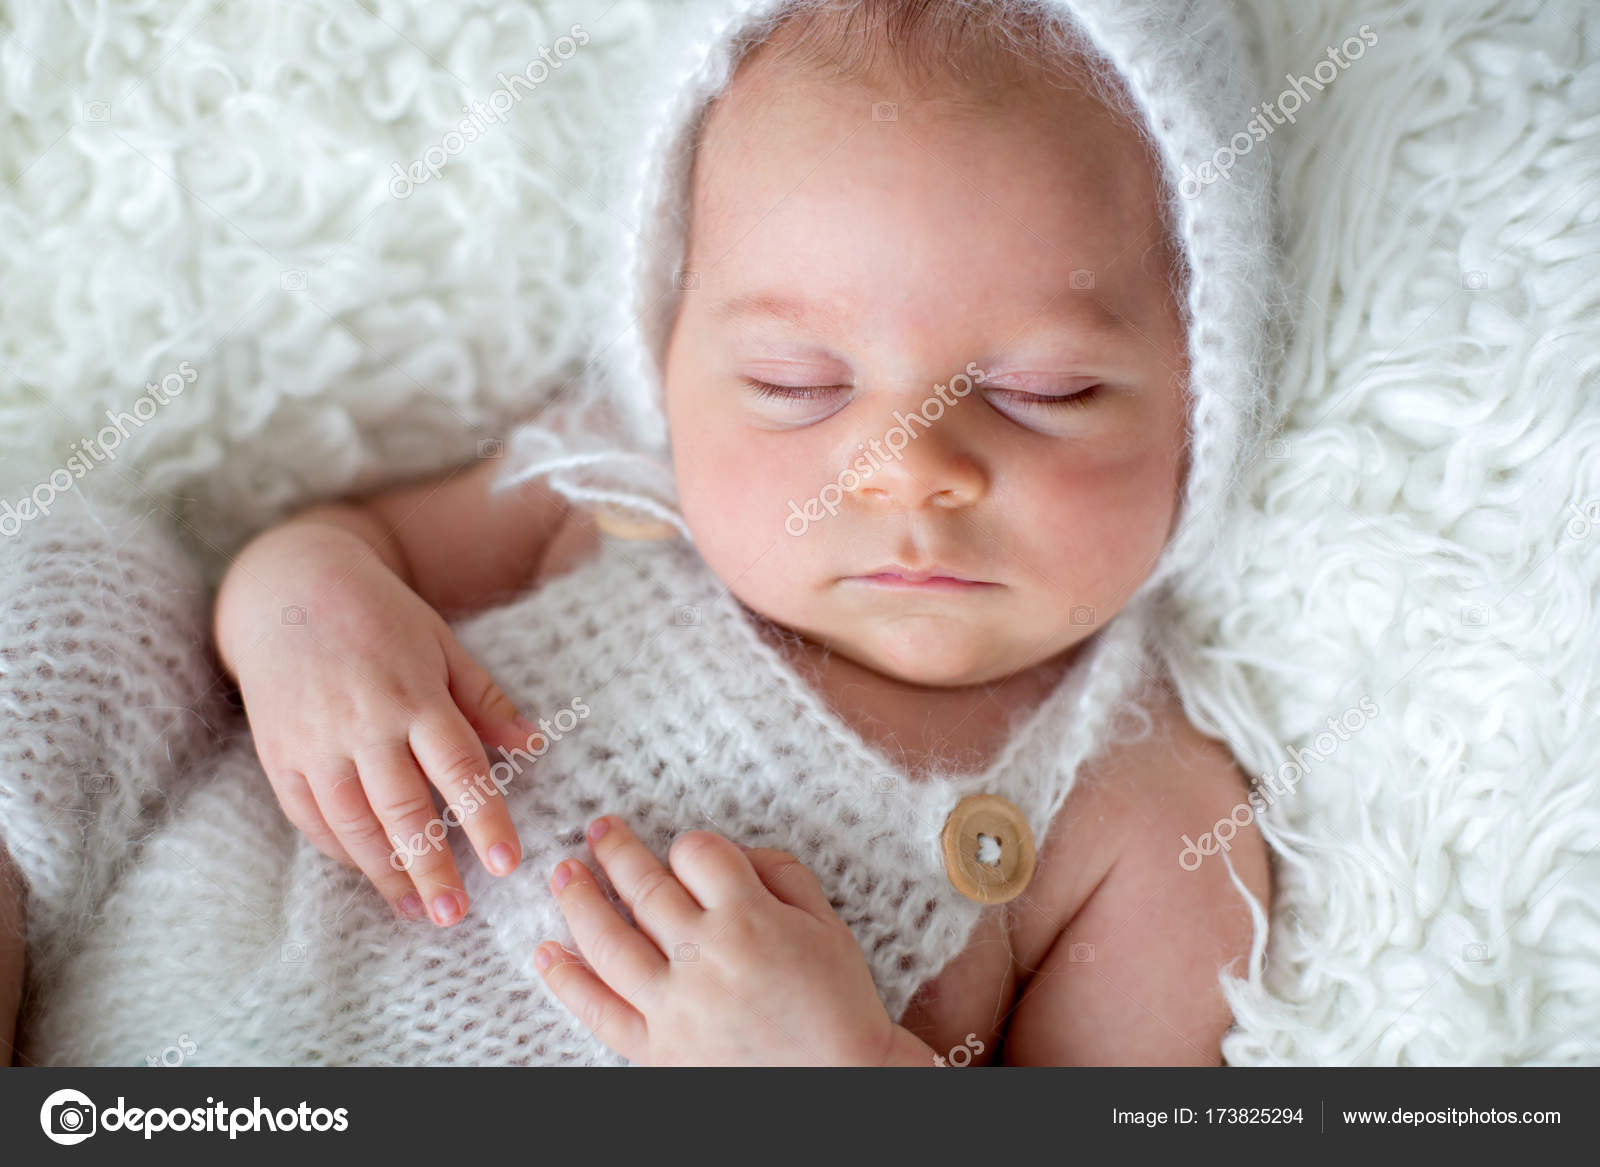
932 650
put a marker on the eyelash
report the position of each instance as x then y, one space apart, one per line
788 392
1078 400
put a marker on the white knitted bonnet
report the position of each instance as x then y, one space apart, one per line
1190 76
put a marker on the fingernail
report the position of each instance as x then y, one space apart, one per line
446 909
562 877
542 958
598 829
502 859
411 907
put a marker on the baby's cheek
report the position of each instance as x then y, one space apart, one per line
1101 527
735 488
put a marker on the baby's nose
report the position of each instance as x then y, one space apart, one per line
931 470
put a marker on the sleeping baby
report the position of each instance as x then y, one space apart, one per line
797 688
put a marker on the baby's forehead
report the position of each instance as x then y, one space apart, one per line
1051 161
1066 103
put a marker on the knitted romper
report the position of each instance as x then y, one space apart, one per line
231 930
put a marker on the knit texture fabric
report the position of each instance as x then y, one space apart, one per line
226 927
108 692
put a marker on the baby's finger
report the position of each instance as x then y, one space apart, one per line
492 715
620 954
587 998
714 870
659 903
398 793
300 808
343 805
791 881
453 760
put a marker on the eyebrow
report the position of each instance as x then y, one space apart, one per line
788 309
1085 314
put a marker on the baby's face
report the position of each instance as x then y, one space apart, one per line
850 264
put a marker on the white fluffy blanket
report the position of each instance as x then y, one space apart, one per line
208 192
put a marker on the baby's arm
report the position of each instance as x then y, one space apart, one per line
1132 977
333 624
456 544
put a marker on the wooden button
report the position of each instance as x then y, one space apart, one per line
988 849
625 524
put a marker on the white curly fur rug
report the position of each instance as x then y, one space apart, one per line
210 189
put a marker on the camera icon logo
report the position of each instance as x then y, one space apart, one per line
686 280
1474 281
294 614
1082 614
1081 954
1474 615
97 111
491 448
885 111
68 1117
1081 279
1477 952
293 280
293 953
1584 521
1278 450
96 783
686 616
686 952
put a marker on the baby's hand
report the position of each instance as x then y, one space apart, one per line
359 697
738 959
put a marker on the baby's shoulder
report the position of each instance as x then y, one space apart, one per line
1172 768
1136 802
1137 922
